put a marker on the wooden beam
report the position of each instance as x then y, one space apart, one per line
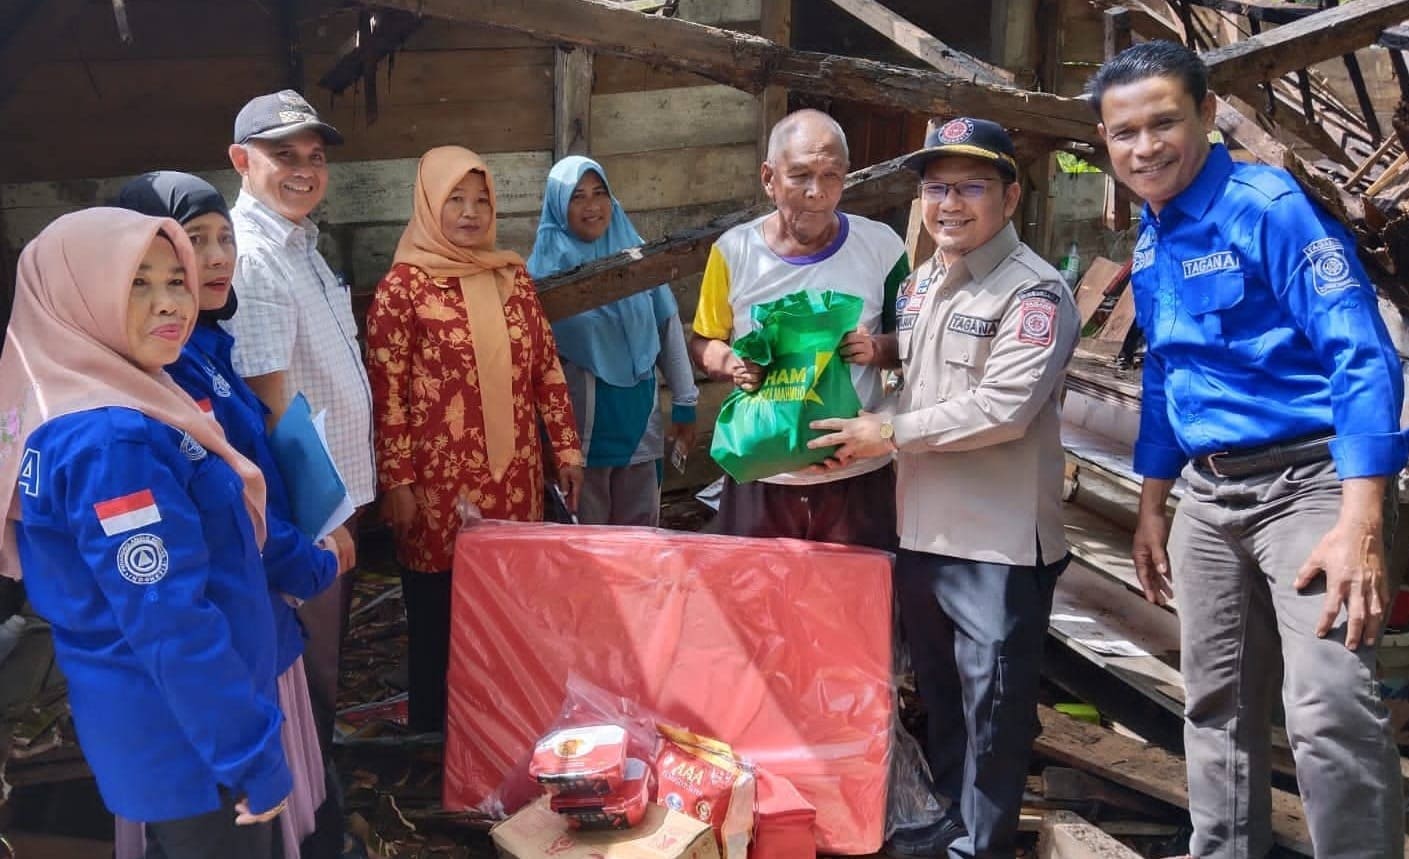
1117 22
922 45
1290 118
1149 770
776 25
868 192
1147 22
1072 785
751 62
289 44
1362 96
572 102
1014 37
1065 835
385 30
1321 36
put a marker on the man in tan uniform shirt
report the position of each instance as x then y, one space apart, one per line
985 331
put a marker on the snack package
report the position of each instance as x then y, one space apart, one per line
701 777
620 810
583 761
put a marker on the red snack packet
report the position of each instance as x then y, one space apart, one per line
584 761
701 777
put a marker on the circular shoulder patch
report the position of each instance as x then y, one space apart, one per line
956 131
193 449
142 559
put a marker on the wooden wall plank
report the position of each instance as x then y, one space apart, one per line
653 224
381 190
671 119
719 13
709 174
199 140
375 192
623 74
407 132
572 101
71 87
172 28
328 33
363 252
462 77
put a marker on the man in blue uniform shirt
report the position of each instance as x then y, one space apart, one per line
1271 385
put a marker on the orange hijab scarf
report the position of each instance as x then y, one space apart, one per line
67 350
486 282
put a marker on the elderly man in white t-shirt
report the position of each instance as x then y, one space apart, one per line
806 244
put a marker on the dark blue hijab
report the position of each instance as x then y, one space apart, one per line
181 197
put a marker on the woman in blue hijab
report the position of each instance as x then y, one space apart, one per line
610 355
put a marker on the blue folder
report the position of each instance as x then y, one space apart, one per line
316 490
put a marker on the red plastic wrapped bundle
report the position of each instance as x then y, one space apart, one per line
779 647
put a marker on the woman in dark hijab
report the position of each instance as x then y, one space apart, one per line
296 567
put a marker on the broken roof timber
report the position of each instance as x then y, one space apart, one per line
1323 35
750 62
920 44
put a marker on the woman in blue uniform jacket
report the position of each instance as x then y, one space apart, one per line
296 567
139 534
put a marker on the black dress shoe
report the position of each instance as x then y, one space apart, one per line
925 841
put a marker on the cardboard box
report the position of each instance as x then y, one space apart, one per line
536 832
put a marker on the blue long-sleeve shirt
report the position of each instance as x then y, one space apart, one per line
294 565
1261 326
138 550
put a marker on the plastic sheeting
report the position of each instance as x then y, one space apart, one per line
781 648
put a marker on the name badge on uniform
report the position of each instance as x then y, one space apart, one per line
972 325
1219 261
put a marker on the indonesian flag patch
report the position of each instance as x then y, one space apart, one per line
127 513
205 406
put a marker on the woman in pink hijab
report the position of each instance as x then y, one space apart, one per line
138 530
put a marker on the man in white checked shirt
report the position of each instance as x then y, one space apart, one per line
294 330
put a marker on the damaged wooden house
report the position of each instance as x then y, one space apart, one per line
675 98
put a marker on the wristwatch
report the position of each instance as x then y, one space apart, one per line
888 433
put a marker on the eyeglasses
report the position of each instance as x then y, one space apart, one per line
969 189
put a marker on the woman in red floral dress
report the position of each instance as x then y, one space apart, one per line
462 365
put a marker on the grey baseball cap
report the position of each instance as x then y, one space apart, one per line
279 114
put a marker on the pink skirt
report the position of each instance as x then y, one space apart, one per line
300 738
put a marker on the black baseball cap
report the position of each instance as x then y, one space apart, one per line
279 114
974 138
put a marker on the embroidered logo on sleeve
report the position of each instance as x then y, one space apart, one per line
1144 255
142 559
192 449
1220 261
1330 268
1036 320
217 381
127 512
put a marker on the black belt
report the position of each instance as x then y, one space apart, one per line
1272 457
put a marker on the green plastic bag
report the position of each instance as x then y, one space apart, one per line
795 339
